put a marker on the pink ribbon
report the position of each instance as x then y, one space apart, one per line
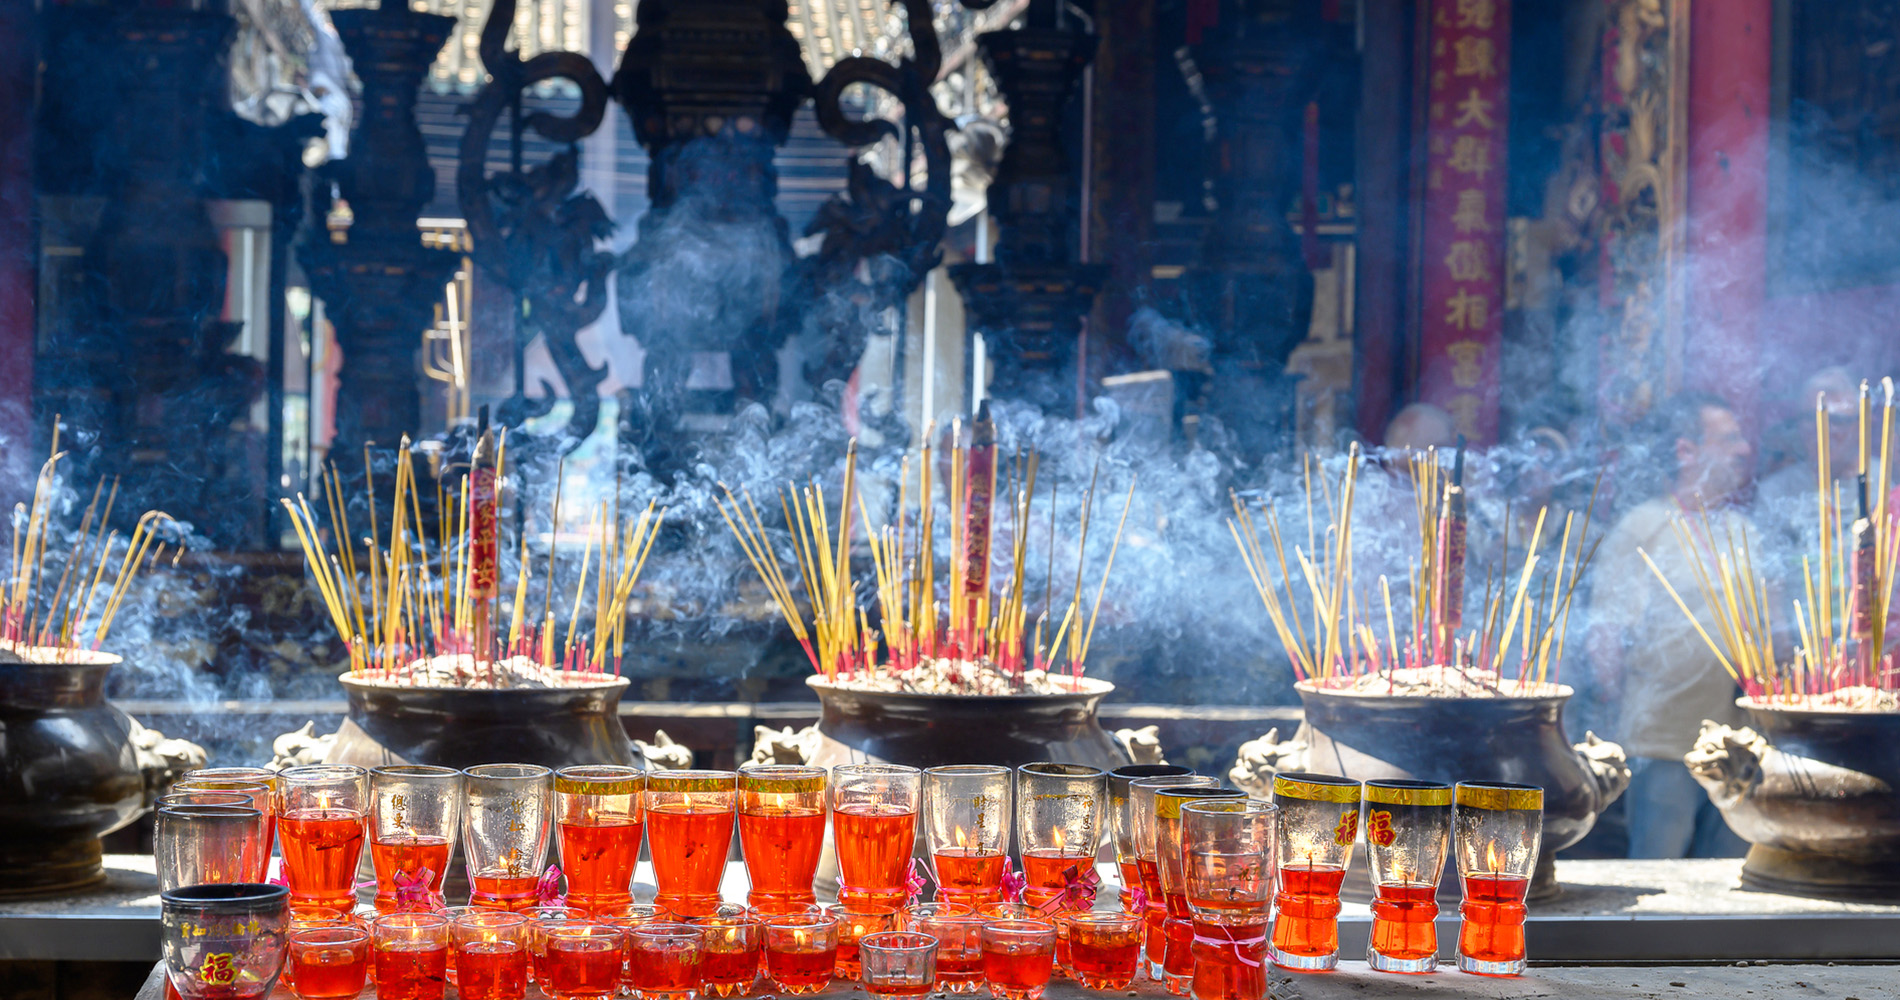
1079 882
416 893
1013 882
1138 899
915 882
275 873
548 889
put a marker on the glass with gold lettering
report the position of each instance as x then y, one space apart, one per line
1319 820
415 814
1408 825
1496 830
505 832
224 942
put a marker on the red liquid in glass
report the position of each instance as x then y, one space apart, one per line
689 857
1308 902
495 891
408 855
968 876
1402 924
411 973
583 967
1153 929
1017 972
902 991
327 972
1104 960
321 850
1131 880
1177 961
849 963
669 971
730 972
598 859
781 854
964 966
491 970
874 844
1230 961
1043 872
800 971
1493 911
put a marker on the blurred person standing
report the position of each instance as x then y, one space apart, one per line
1644 654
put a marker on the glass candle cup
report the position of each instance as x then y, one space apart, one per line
1227 850
1141 823
309 917
1177 959
1104 948
967 811
1018 957
1319 820
1496 830
583 960
663 961
801 951
412 955
958 931
206 845
320 825
1121 827
1407 828
1059 809
259 794
857 921
689 822
600 811
899 964
732 950
224 942
490 951
782 832
209 778
505 832
874 828
330 963
415 816
539 919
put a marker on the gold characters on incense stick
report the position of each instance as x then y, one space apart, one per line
1840 658
972 635
412 609
74 616
1331 628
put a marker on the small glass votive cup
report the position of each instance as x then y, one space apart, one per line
899 965
1104 948
967 815
1059 810
1319 820
412 955
583 960
224 942
873 829
958 931
1019 957
206 844
304 917
539 919
1496 830
801 951
857 921
321 829
1407 829
782 832
330 963
415 815
507 810
490 954
663 961
732 950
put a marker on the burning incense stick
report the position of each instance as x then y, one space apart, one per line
408 616
1340 647
1847 585
977 629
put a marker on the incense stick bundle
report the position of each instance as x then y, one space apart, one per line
975 627
1335 643
401 606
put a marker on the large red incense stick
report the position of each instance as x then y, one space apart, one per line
977 515
1450 558
484 573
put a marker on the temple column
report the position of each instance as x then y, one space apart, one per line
18 275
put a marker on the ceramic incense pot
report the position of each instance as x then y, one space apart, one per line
1816 793
926 730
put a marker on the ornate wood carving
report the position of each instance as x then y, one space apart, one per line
1644 155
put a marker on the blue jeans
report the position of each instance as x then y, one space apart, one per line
1670 816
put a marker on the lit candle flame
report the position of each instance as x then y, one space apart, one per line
963 839
1491 862
1060 842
